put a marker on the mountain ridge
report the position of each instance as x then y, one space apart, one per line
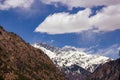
72 61
20 61
107 71
71 52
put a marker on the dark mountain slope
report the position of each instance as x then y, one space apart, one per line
20 61
108 71
75 72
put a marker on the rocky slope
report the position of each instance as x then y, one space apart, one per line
108 71
21 61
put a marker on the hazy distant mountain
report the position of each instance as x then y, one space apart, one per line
21 61
77 65
107 71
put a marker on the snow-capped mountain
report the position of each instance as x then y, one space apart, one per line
69 56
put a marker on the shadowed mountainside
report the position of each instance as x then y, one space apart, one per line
21 61
108 71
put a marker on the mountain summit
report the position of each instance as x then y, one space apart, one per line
20 61
68 56
75 63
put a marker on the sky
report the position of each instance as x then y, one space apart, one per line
89 24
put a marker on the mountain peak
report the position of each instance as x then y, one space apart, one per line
69 48
74 62
47 46
69 56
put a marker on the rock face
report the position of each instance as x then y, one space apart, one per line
108 71
21 61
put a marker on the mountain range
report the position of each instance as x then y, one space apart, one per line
40 61
76 64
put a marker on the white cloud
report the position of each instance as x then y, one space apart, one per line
60 23
107 19
8 4
112 51
82 3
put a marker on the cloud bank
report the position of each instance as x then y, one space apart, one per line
59 23
8 4
82 3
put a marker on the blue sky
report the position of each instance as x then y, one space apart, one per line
91 24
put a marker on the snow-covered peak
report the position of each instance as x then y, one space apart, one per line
71 48
46 46
48 52
68 56
68 48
